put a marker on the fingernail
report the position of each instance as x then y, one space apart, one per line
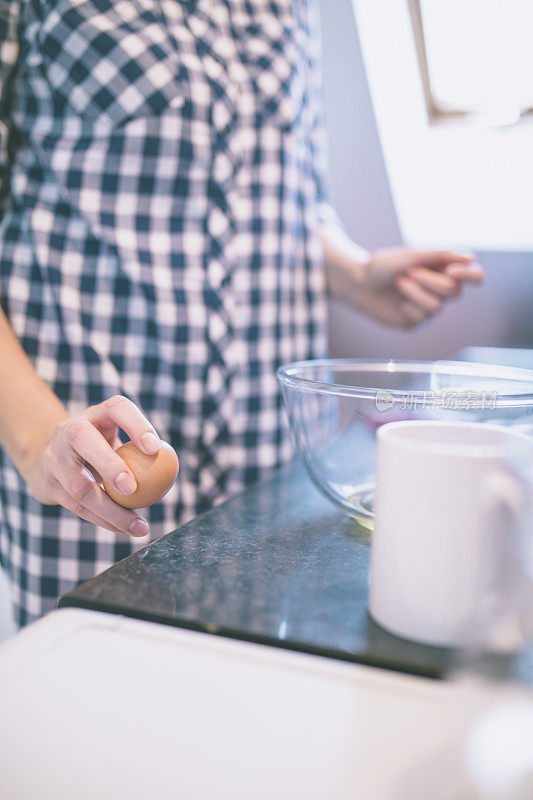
139 527
125 483
151 442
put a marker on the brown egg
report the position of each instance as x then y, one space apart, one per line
154 475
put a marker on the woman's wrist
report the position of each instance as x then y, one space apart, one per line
29 418
346 265
28 436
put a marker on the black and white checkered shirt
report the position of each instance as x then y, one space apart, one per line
162 179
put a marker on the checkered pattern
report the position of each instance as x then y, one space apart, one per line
160 241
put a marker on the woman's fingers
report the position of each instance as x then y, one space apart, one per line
119 411
439 259
86 496
472 273
424 299
460 266
70 504
440 283
426 288
89 444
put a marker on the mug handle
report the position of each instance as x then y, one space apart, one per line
503 504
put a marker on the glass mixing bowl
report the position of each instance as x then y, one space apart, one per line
335 407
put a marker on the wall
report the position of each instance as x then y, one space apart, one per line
498 314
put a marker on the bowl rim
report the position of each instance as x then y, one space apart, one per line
472 368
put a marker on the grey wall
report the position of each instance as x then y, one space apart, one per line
497 314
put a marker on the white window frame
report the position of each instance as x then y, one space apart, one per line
460 182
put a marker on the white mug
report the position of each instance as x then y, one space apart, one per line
438 486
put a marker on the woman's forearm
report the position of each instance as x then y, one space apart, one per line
29 409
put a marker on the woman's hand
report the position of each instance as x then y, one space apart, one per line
399 286
57 469
404 287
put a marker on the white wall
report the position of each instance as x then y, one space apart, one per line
498 314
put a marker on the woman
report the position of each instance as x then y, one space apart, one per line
162 249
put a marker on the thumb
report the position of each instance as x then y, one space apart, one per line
439 259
